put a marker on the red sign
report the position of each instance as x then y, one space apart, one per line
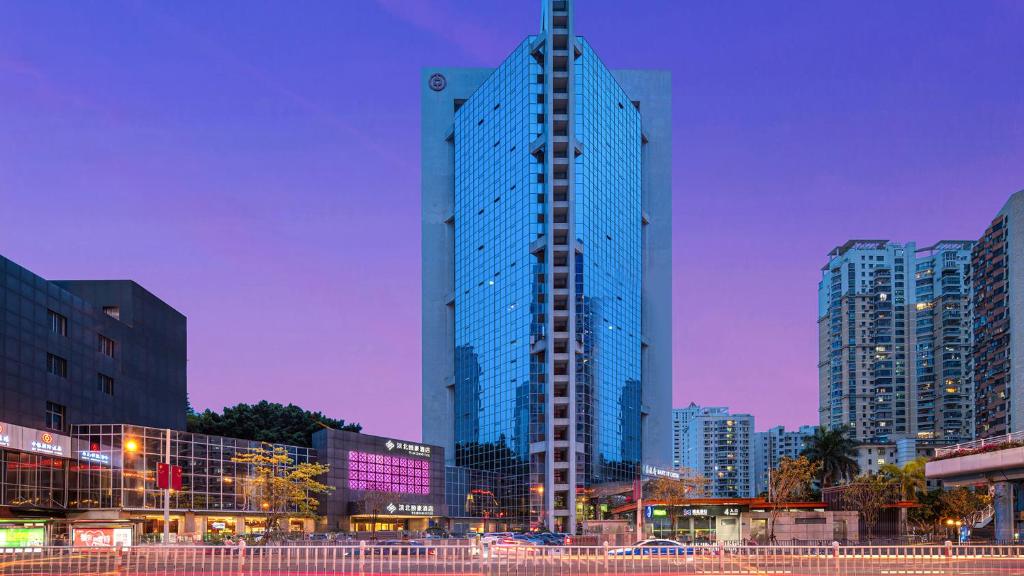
175 477
163 471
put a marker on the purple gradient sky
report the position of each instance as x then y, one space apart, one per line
256 165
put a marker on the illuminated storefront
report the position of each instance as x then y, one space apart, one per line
99 485
116 472
381 483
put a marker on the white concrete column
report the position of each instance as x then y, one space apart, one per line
1002 502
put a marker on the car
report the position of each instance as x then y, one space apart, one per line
532 539
654 547
492 537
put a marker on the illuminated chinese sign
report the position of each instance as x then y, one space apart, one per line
649 470
408 447
414 509
48 444
391 474
30 440
90 456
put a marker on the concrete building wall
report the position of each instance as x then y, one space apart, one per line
652 89
437 172
1014 211
808 526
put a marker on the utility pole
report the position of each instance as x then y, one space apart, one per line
167 490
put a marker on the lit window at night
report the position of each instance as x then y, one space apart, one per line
392 474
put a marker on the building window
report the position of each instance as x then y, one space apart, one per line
55 415
105 384
106 345
113 311
56 365
58 323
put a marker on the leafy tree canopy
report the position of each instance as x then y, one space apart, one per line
835 452
266 422
280 487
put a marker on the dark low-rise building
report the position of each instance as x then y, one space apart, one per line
397 484
81 351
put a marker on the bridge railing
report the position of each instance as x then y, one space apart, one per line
369 559
981 443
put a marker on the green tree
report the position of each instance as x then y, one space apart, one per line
835 452
266 422
868 494
964 504
926 517
791 482
910 477
280 487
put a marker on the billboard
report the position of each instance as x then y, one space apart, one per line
22 536
101 536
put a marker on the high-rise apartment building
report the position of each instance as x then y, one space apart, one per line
547 271
716 445
895 341
768 448
998 286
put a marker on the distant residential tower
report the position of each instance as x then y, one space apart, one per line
895 342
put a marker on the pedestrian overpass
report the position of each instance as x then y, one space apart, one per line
996 463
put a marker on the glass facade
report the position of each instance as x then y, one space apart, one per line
608 274
499 210
116 468
546 256
31 480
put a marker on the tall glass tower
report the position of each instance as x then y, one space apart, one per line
547 272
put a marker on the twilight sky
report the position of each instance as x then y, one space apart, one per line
256 165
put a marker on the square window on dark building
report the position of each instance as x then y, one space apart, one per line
106 345
55 416
113 311
56 365
58 323
105 384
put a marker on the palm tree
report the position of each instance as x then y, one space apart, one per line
835 451
910 477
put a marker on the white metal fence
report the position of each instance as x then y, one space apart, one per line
974 444
367 559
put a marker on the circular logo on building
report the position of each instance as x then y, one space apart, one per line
47 437
1 428
437 82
